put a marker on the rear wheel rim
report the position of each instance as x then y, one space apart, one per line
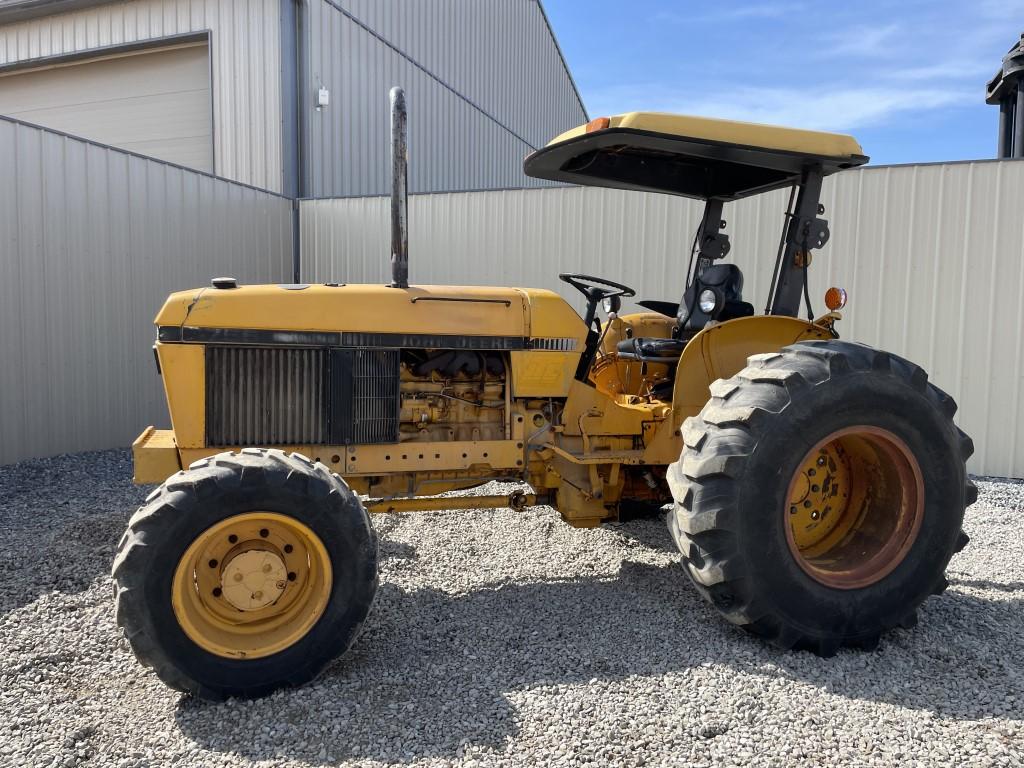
251 585
854 507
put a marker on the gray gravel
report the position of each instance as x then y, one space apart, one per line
505 639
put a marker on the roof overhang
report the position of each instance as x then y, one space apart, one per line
20 10
692 157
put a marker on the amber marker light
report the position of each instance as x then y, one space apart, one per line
835 298
598 124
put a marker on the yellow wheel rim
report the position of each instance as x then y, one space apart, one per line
251 585
854 508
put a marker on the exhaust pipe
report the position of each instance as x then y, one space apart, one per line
399 192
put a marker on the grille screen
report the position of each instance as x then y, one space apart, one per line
301 396
375 399
259 396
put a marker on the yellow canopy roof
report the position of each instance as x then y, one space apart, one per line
772 137
699 157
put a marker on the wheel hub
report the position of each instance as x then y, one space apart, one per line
854 507
251 585
254 579
819 495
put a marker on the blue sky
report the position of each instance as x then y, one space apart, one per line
906 78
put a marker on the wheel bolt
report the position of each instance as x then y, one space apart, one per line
232 538
264 532
811 473
807 504
291 575
213 563
792 510
287 549
815 515
815 488
216 591
821 461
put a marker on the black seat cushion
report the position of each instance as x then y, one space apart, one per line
649 349
733 309
726 279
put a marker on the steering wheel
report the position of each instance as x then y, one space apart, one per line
596 289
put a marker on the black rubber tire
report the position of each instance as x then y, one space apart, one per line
208 492
731 481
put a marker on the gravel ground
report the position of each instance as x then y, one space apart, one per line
505 639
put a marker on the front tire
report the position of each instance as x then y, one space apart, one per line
820 495
246 573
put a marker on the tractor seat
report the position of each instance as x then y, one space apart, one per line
650 350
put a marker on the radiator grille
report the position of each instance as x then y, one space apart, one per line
301 396
266 396
375 400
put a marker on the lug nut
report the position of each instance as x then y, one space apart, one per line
287 549
264 532
291 575
815 515
807 504
792 510
821 461
216 591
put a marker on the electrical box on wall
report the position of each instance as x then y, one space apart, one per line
323 98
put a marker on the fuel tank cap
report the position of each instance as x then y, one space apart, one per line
224 283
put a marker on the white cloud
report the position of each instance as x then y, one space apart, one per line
724 12
864 41
961 69
826 107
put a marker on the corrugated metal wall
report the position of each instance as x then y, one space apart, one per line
932 256
91 242
245 48
497 53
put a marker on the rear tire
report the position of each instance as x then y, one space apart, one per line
160 567
734 515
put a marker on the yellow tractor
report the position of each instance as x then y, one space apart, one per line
819 485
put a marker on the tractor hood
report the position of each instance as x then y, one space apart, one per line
691 156
468 317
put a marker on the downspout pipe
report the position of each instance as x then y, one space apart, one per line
1018 121
1006 108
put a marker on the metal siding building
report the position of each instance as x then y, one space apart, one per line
485 83
245 64
91 242
932 257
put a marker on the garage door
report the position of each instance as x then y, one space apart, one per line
155 102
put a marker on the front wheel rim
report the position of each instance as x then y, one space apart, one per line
251 585
854 507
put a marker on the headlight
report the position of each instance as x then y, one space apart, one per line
707 301
611 304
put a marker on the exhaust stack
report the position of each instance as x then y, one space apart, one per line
399 192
